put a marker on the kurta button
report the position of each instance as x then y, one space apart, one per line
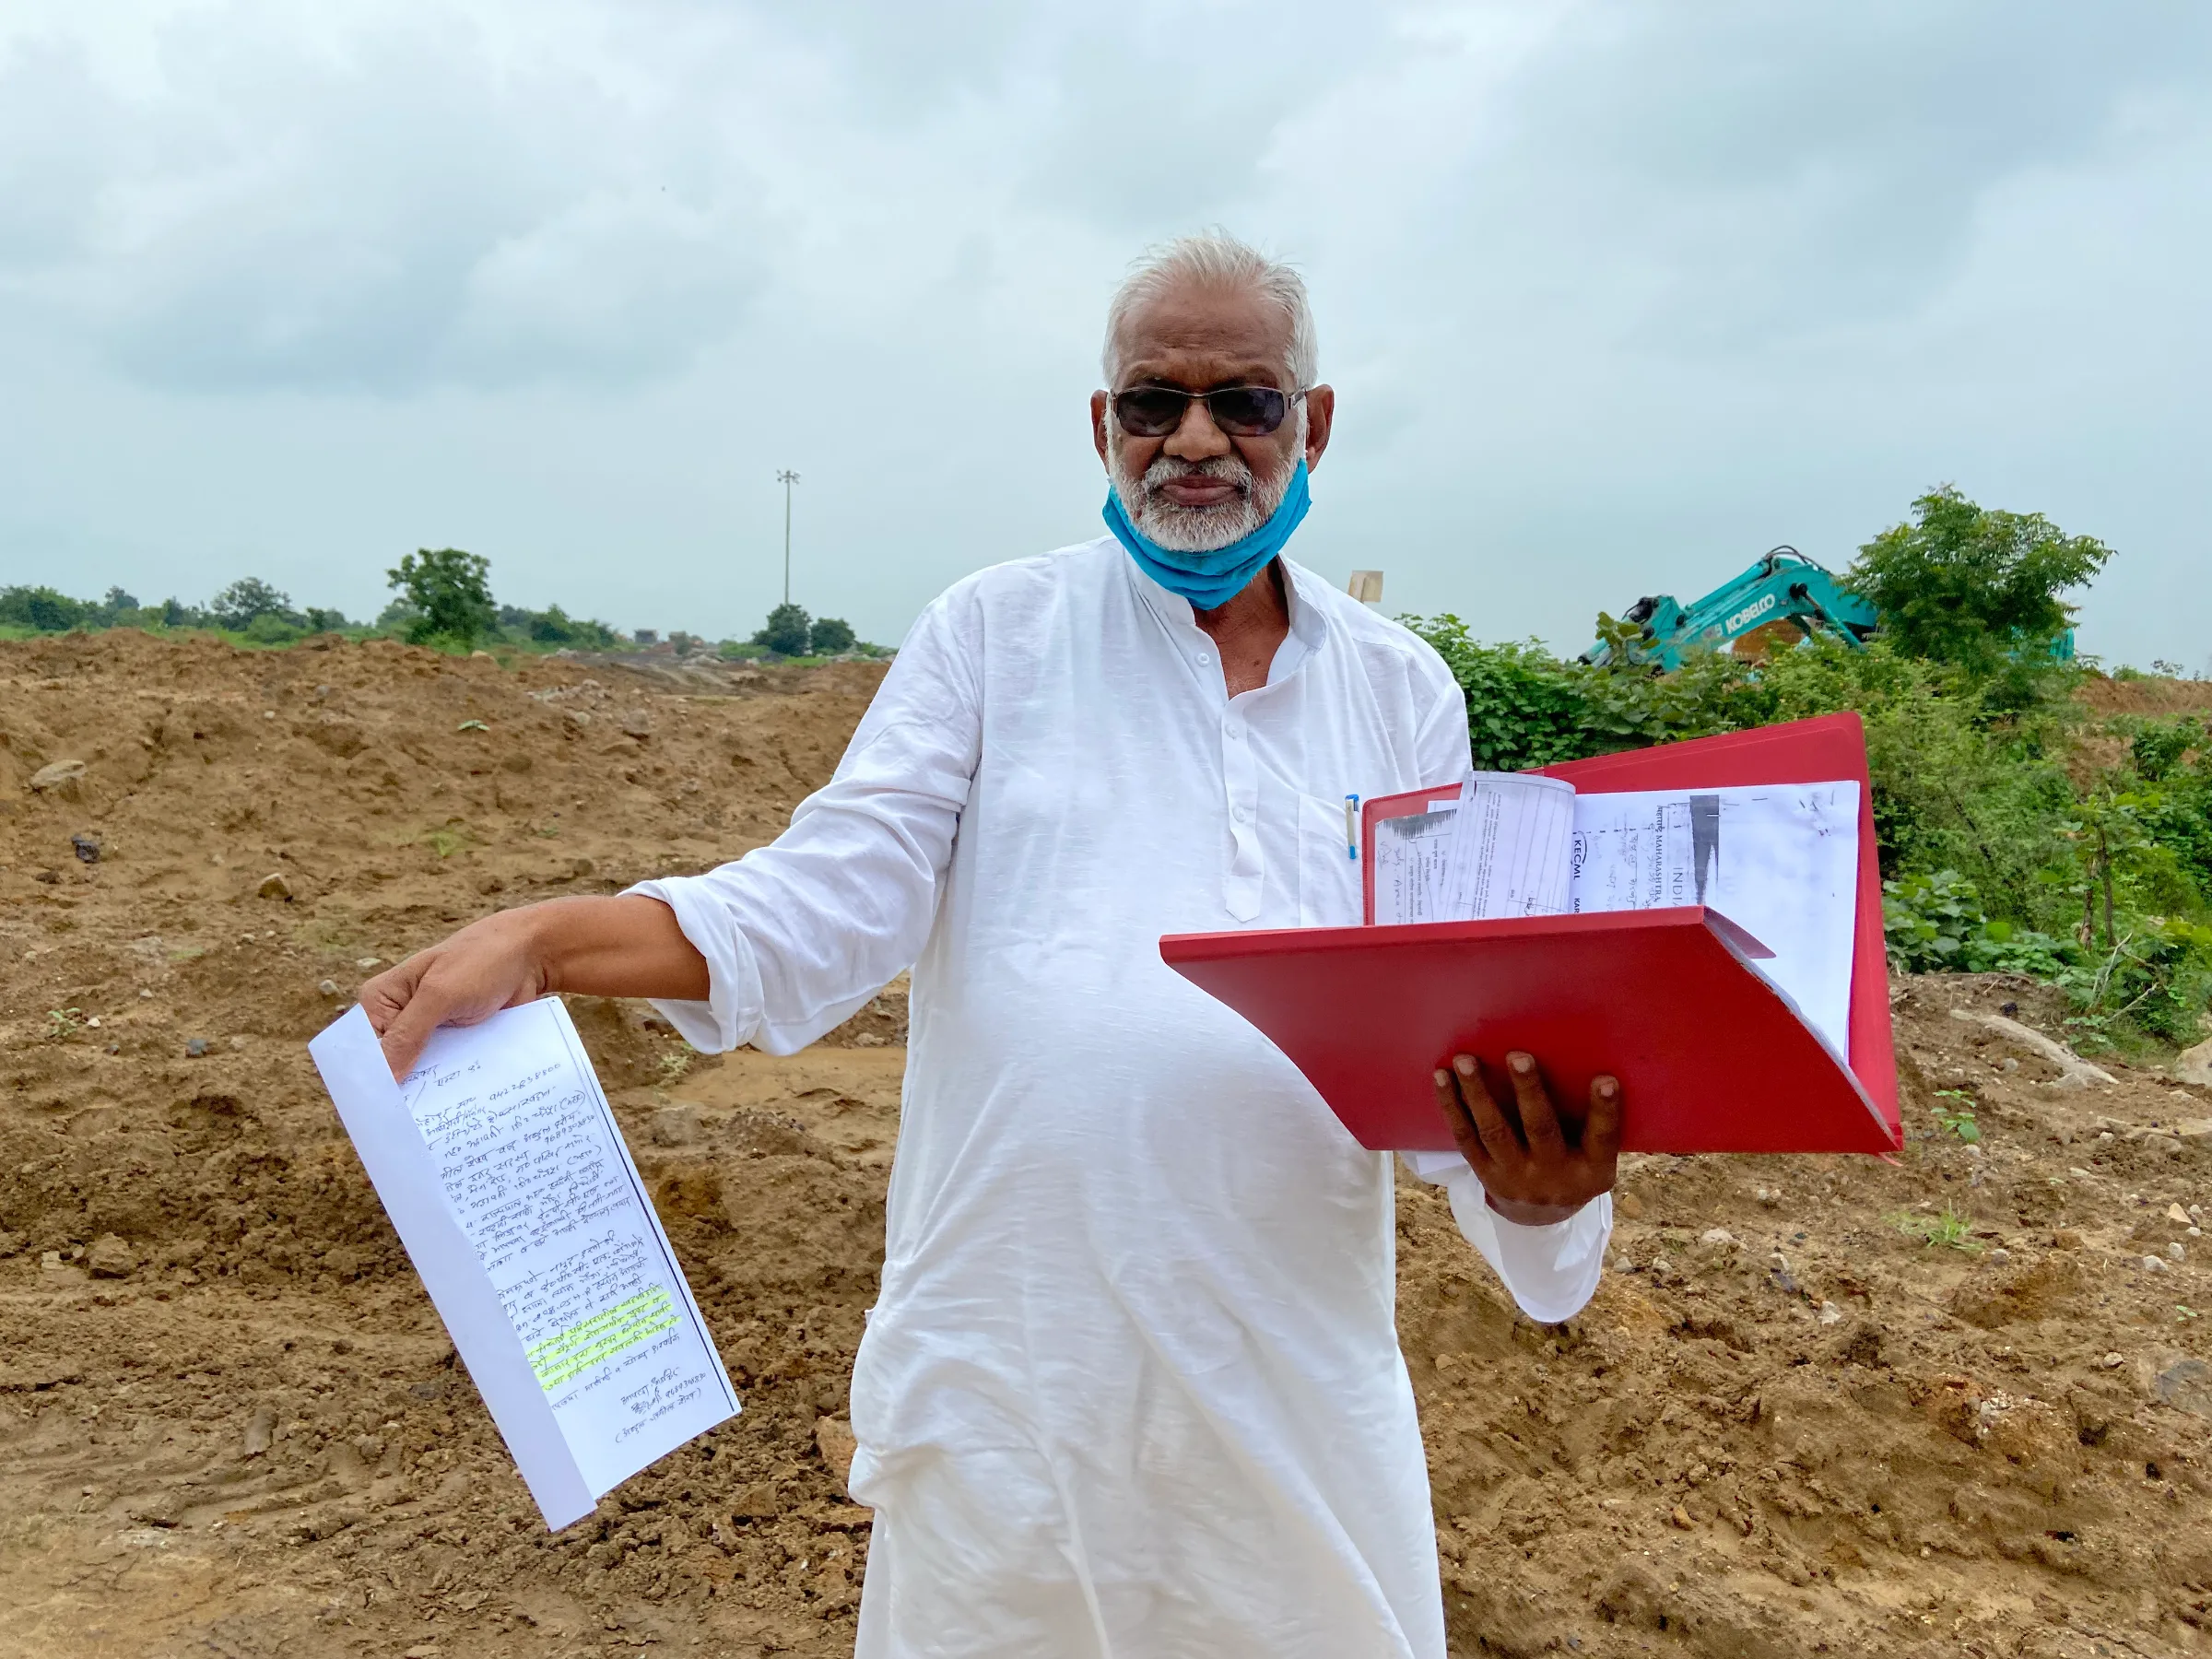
1241 815
1202 659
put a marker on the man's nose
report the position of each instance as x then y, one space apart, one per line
1195 437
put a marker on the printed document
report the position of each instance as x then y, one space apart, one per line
506 1177
1780 861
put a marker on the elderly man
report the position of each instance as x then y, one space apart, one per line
1131 1386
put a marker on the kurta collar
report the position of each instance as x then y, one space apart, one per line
1308 625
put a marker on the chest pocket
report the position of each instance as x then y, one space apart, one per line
1329 876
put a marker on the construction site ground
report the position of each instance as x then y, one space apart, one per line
1953 1404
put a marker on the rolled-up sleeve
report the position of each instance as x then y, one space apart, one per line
1551 1272
800 933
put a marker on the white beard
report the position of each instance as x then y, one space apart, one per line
1198 529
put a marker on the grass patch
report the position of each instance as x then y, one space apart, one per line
1950 1229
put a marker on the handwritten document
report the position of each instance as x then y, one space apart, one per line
502 1167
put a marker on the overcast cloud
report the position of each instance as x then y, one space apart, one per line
1615 296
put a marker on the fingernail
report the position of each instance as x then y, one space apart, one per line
1466 1066
1444 1077
1524 1064
1607 1087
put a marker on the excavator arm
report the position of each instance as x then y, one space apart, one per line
1784 584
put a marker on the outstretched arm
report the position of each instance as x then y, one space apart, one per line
622 947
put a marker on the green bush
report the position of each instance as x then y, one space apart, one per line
787 632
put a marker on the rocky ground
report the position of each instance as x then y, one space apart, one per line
1956 1404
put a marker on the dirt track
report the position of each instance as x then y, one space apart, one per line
229 1423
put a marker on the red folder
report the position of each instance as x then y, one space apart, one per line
1710 1056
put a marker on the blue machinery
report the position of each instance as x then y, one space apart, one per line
1782 586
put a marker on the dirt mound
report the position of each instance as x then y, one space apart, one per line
1942 1405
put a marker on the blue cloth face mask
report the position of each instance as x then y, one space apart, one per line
1212 579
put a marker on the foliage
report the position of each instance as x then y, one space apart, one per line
1937 923
1955 1116
1973 587
245 601
1951 1230
450 592
787 632
555 626
829 636
1526 708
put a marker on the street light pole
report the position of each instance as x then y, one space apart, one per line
786 478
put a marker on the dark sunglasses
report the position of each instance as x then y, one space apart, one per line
1241 411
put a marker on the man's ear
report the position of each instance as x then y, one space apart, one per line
1321 415
1098 428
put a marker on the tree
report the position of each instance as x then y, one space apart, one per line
787 632
319 620
829 636
449 593
42 608
236 607
1975 587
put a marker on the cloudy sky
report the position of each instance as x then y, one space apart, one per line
1615 296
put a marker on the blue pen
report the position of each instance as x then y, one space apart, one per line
1351 827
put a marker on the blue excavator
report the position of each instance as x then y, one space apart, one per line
1784 586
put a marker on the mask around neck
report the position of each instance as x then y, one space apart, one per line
1211 579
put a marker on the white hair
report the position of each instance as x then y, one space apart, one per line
1215 258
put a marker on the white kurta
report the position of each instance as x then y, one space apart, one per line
1133 1386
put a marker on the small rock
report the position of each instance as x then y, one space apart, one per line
238 1044
261 1429
61 777
2152 1264
1716 1235
86 848
2192 1066
2176 1252
1766 1195
2169 1145
2010 1064
1681 1518
329 987
834 1440
109 1257
676 1126
2114 1362
194 1047
366 961
1831 1314
1661 1266
2186 1385
577 718
1999 1256
274 886
636 724
2175 1213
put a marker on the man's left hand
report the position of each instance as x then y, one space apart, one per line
1536 1170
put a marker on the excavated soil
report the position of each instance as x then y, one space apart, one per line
231 1424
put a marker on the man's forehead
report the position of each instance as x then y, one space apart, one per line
1204 335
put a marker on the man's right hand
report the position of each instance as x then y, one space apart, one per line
491 964
629 946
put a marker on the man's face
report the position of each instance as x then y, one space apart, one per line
1199 488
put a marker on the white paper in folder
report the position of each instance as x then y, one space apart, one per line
506 1177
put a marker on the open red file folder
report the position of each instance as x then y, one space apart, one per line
1710 1056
